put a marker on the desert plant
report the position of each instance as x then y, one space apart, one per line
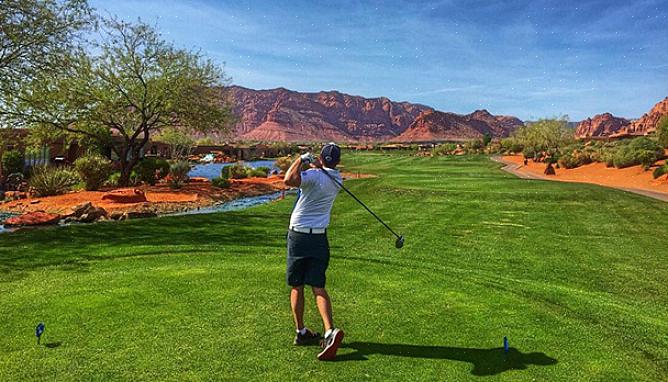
13 161
661 170
662 131
178 174
283 163
94 170
150 170
444 149
641 150
260 172
220 182
48 181
15 182
235 171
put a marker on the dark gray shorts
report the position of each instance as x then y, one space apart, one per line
308 258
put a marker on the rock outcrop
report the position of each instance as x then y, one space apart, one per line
601 125
607 125
438 126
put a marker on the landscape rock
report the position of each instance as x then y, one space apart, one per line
125 196
139 215
33 219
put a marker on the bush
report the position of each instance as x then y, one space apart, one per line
640 150
662 131
235 171
13 162
260 172
47 181
444 149
16 182
178 174
150 170
94 170
659 171
220 182
283 163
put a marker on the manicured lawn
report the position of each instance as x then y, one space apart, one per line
575 275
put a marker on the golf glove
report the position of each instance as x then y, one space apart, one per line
307 158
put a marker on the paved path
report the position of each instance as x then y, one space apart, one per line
514 169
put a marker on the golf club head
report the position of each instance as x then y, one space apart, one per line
400 242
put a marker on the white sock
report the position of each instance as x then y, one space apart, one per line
302 331
327 333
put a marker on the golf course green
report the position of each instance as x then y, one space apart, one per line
574 275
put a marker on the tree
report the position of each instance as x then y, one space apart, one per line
34 38
662 131
180 142
545 135
132 87
486 138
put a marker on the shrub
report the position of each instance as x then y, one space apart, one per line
283 163
178 174
150 170
662 131
640 150
47 181
12 162
529 152
15 182
444 149
220 182
235 171
661 170
260 172
94 170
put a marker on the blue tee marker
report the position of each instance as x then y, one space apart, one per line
506 347
39 330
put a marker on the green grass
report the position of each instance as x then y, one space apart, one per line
575 275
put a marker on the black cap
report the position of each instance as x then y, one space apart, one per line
330 154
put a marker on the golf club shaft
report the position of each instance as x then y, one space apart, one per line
359 201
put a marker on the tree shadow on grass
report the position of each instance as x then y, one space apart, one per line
72 248
485 361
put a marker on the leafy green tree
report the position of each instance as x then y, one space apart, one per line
547 135
133 85
486 138
662 131
35 38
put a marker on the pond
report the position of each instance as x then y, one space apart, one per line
236 204
4 216
212 170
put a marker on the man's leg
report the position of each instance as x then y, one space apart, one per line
324 307
297 304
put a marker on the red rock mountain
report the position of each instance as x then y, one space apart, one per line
602 125
436 126
289 116
606 125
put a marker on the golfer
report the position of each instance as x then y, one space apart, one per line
308 248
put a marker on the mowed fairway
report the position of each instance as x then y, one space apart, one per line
576 276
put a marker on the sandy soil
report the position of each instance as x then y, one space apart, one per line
632 179
160 198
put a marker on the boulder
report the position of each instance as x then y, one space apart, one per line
33 219
87 213
139 215
125 196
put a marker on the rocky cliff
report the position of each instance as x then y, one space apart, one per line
435 126
601 125
284 115
607 125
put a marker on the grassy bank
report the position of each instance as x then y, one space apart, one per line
575 275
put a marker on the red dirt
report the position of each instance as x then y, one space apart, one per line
633 179
159 197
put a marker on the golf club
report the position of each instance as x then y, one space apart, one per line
400 239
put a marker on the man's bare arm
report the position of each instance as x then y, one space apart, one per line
293 177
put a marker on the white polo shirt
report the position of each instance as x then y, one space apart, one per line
317 194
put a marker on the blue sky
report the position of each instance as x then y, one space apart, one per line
525 58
